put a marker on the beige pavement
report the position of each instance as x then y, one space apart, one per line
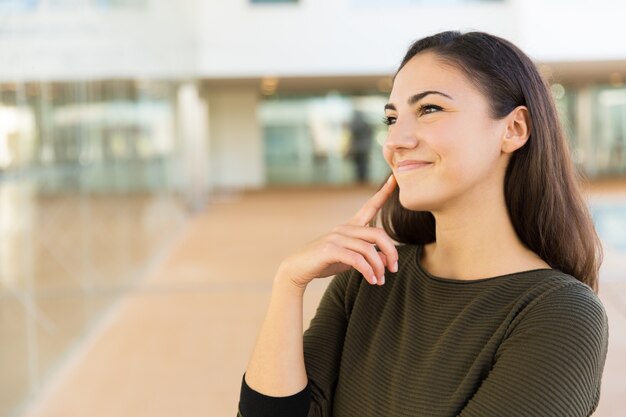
178 342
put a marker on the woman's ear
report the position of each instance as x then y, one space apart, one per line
516 130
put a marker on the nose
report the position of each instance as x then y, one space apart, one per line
401 135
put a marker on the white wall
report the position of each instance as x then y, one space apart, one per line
233 38
236 146
327 37
337 37
573 30
155 41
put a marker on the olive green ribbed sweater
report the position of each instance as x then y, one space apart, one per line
525 344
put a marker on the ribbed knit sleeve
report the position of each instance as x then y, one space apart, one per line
323 343
551 361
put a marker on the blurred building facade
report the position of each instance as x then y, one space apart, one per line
273 83
163 103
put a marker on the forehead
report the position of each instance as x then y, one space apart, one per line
424 72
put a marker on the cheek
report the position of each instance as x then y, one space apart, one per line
472 162
467 152
388 155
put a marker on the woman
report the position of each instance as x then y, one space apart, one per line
489 305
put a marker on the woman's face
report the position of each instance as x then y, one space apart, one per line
454 134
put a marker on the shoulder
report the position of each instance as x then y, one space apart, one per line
565 294
564 310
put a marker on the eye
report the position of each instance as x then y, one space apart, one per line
388 120
425 107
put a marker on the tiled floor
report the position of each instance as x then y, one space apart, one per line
178 342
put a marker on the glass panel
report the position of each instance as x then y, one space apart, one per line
609 130
86 203
565 100
119 138
309 140
610 222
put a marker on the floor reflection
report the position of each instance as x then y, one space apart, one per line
64 260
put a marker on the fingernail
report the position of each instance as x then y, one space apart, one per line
395 267
382 280
389 179
373 279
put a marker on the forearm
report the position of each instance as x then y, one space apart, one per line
276 367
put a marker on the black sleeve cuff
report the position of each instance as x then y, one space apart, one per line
255 404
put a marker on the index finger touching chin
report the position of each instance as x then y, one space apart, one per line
368 211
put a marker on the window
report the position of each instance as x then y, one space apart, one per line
18 5
307 139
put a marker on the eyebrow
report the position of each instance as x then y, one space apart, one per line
417 97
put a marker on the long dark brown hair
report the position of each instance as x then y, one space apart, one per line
541 184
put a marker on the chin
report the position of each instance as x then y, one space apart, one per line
411 202
415 200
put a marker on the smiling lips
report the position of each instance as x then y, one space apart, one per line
411 164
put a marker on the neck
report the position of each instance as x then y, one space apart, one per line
476 239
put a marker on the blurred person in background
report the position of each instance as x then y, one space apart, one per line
360 144
488 305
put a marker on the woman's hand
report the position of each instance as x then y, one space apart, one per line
349 245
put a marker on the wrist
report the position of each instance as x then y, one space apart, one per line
283 281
